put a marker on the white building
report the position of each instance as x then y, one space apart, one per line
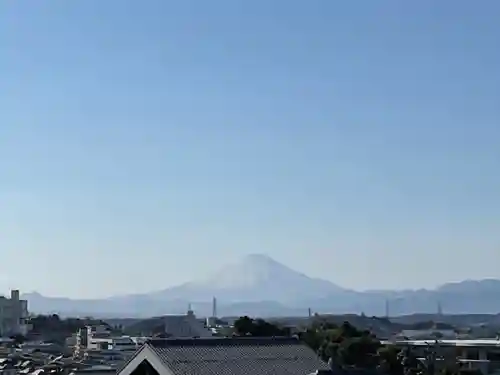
480 354
99 338
13 315
426 334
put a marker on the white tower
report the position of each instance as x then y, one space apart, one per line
214 308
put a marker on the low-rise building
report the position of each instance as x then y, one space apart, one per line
13 315
426 334
481 354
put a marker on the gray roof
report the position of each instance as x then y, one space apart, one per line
237 356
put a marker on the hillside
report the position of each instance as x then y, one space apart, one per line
259 285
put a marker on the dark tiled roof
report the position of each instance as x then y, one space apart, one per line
237 356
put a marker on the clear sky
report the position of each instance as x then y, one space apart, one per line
147 143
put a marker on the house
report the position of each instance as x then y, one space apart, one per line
224 356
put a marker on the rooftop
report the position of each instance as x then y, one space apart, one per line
236 356
459 343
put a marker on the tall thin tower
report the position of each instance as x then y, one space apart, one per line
387 312
214 307
439 309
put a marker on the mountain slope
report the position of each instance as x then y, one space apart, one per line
258 285
255 278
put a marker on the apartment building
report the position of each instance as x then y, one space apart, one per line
13 315
477 354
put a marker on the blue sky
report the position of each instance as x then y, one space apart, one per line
146 143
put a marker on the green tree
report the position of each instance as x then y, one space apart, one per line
345 345
246 326
243 326
390 362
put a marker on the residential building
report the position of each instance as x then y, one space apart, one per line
185 326
224 356
426 334
481 354
13 315
95 338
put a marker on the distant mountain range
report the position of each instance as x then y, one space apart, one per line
259 285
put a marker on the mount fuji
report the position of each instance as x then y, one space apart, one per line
259 285
255 278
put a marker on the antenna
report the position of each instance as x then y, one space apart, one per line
439 308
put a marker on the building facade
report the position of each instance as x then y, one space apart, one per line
477 354
13 315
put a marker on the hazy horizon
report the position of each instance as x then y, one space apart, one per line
145 144
259 254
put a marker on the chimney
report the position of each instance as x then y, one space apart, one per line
14 295
190 311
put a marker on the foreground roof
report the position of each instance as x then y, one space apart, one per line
237 356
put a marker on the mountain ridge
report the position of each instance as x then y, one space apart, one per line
259 285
